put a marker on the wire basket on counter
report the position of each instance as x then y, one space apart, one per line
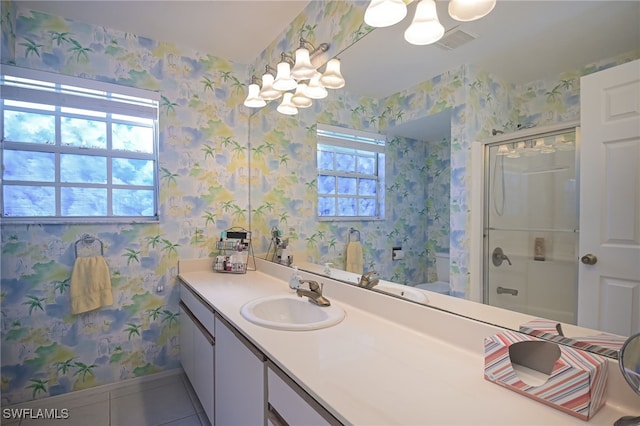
234 252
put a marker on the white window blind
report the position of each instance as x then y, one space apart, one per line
76 150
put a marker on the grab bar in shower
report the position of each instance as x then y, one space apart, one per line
503 290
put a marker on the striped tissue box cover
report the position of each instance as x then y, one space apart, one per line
602 343
576 385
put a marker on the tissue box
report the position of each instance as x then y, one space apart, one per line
602 343
575 380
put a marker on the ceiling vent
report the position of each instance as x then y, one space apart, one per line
455 38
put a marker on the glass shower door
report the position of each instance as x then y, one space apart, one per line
531 226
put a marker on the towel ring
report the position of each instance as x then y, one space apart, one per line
354 231
88 240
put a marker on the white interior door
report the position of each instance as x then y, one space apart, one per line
609 289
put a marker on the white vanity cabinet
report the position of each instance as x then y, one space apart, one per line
197 347
239 380
289 404
249 388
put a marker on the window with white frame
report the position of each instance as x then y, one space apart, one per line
351 174
76 150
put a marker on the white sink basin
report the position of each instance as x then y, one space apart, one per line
404 291
290 312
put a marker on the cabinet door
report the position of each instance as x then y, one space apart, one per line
239 379
186 343
197 355
204 371
288 404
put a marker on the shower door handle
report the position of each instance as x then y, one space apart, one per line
589 259
511 291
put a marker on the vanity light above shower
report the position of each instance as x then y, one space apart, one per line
533 147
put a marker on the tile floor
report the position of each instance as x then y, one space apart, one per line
168 400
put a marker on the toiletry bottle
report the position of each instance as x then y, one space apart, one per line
239 259
294 281
284 257
327 268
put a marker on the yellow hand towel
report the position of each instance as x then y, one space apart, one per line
354 257
90 284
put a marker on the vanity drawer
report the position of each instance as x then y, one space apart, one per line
289 404
200 309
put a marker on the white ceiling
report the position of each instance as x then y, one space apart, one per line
519 40
237 30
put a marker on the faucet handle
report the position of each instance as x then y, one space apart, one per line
313 285
368 275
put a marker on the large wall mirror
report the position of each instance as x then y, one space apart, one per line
520 66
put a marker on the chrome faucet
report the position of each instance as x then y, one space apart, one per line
314 293
369 279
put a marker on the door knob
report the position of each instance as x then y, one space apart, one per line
589 259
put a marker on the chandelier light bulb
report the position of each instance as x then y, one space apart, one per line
289 72
253 98
384 13
425 27
302 70
283 81
543 147
562 144
503 150
267 92
286 106
332 78
513 154
300 99
470 10
532 148
315 89
539 144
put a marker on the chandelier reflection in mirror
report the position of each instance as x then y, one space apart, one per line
297 80
425 27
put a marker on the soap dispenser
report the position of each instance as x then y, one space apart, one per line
294 281
327 269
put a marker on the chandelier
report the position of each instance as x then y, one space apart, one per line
297 81
425 27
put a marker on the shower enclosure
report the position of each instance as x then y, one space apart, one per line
531 225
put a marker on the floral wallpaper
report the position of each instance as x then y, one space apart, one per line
284 195
204 188
283 192
47 351
223 165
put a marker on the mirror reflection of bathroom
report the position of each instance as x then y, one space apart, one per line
441 283
419 152
629 363
531 226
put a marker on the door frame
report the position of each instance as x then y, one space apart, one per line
479 174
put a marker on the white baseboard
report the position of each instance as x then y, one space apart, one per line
109 387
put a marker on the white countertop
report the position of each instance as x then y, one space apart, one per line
389 362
